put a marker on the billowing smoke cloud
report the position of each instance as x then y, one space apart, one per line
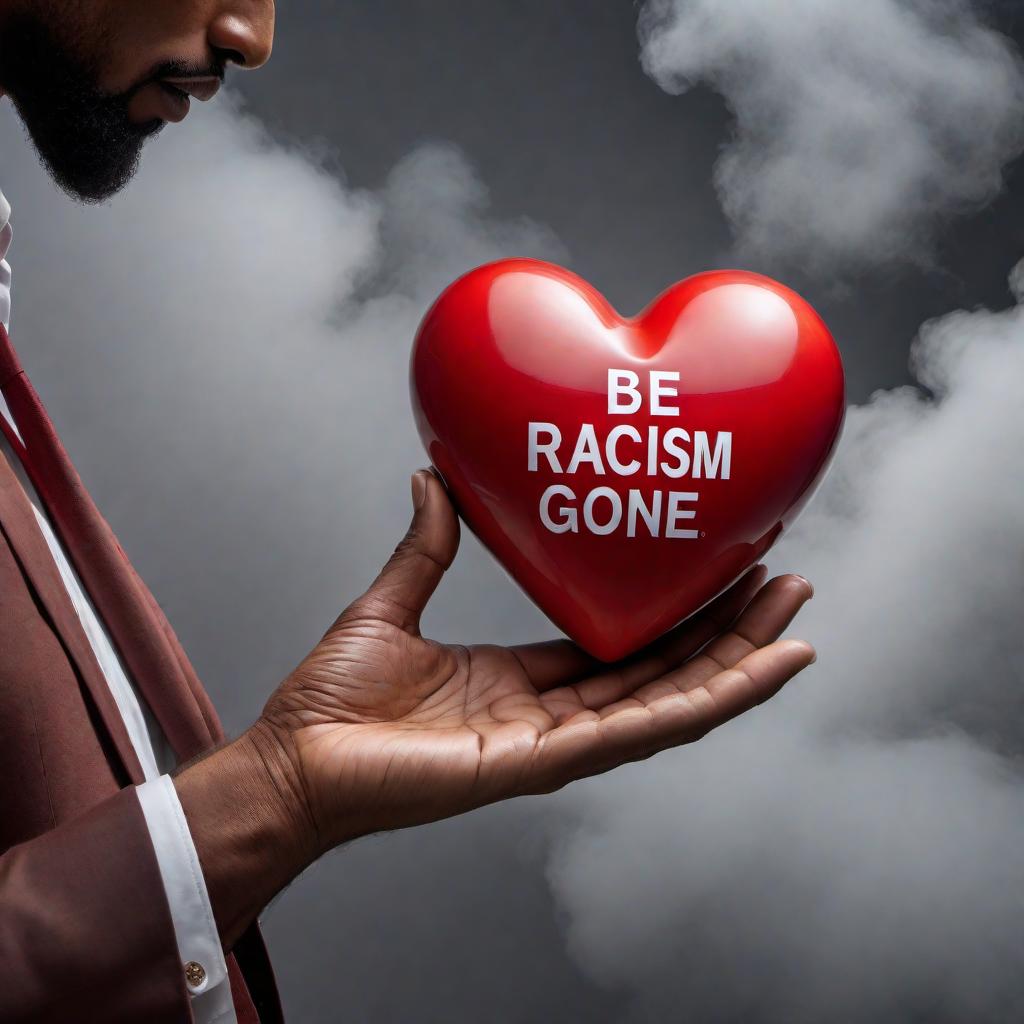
852 850
225 349
859 126
255 314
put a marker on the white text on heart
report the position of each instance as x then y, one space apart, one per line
626 452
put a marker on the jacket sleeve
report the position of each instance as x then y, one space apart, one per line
85 928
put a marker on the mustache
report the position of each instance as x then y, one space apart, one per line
214 68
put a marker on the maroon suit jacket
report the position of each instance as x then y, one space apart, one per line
85 929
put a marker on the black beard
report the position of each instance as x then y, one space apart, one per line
83 136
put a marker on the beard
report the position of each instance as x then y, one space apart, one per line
84 136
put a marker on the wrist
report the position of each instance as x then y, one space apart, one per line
250 826
272 760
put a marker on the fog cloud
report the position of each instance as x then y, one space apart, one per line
225 349
251 316
859 126
852 850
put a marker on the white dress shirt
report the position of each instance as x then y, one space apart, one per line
194 927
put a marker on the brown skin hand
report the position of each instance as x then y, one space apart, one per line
380 728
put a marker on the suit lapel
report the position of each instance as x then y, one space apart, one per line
18 523
125 606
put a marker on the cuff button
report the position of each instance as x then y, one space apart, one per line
195 974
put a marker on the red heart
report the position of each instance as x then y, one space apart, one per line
759 396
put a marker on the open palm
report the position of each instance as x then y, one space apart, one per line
385 728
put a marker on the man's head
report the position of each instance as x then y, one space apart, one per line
93 79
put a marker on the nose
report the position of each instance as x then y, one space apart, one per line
243 32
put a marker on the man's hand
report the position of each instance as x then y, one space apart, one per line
380 728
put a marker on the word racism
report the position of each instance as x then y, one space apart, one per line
604 509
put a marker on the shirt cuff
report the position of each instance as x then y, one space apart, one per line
199 946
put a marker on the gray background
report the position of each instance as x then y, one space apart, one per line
252 452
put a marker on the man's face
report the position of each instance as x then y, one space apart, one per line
93 79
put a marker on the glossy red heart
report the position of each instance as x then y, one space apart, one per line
625 471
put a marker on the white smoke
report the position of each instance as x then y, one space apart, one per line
249 315
225 350
852 850
859 126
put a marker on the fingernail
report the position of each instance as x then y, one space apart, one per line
807 581
419 488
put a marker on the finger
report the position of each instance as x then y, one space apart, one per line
586 747
754 679
616 681
559 662
763 621
406 583
554 662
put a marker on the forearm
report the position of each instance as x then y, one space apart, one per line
250 827
83 923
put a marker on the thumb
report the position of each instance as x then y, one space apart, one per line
401 591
